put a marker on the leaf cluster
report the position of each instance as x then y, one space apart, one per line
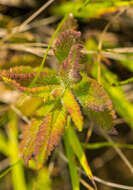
68 92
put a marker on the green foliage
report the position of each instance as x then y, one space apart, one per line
61 95
122 105
46 184
90 9
28 140
72 163
73 108
95 101
56 101
79 152
40 137
17 170
63 45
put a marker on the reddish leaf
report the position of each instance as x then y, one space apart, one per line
95 101
28 140
39 139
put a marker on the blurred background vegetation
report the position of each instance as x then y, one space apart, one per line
106 27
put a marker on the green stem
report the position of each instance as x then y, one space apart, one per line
44 58
107 144
49 45
17 170
130 80
71 162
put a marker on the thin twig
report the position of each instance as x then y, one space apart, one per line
27 21
35 185
110 184
120 83
35 44
108 25
34 15
99 180
47 50
111 55
101 41
121 50
9 169
89 132
120 153
86 184
39 23
33 50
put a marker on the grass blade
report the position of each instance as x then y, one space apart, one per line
71 163
107 144
77 149
17 170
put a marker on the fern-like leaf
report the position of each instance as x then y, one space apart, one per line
95 101
64 43
41 91
25 74
28 140
70 68
59 122
66 38
39 139
42 140
73 108
49 135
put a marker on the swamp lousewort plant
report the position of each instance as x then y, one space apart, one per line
68 92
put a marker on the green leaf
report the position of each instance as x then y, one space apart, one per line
41 91
43 179
121 104
64 43
45 109
90 10
95 102
28 140
57 130
41 142
72 164
40 138
25 74
77 149
73 108
49 134
70 68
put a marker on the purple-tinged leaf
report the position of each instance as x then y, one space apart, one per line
64 43
95 102
28 140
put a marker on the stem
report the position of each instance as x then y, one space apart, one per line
130 80
17 171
